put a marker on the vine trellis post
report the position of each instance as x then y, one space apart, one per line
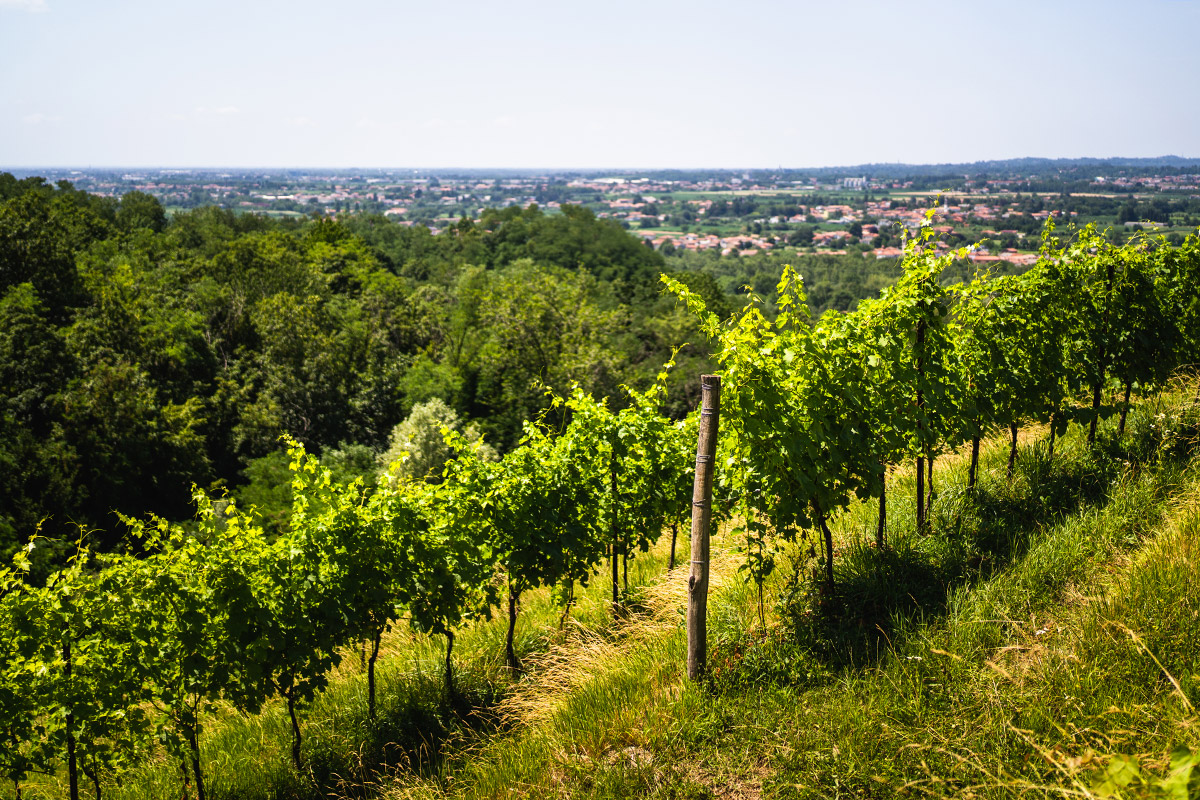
706 448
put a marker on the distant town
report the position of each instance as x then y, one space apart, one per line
864 210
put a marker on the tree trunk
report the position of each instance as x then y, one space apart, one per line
1012 453
973 472
94 776
706 447
449 664
17 788
881 529
1099 385
674 536
929 489
72 762
375 640
762 613
1124 409
625 567
187 779
920 493
829 585
509 653
194 746
569 599
1091 437
291 705
1053 435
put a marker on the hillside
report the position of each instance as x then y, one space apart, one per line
1036 644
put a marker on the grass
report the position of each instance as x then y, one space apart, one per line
1044 641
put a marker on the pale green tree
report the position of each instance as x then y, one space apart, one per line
417 449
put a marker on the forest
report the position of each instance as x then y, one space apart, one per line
142 354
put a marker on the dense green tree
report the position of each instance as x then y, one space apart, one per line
139 210
39 239
540 328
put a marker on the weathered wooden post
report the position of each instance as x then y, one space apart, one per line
706 448
921 445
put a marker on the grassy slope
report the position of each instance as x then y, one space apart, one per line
1005 655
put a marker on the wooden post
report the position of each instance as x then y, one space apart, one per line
612 476
706 448
920 349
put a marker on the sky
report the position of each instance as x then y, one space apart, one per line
614 84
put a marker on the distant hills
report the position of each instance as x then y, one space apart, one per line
1079 167
1010 166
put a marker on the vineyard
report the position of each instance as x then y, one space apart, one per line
123 658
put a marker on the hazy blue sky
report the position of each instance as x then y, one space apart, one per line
636 84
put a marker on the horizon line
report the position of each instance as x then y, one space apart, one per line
744 168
